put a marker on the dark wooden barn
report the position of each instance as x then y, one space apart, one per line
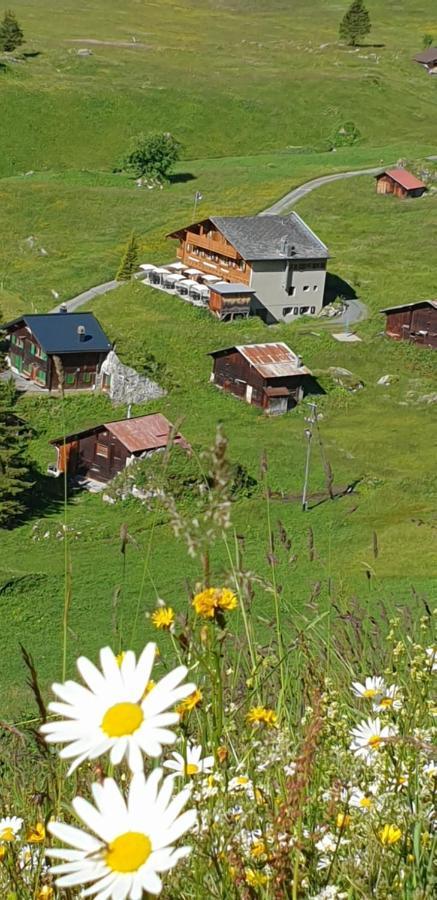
428 59
101 452
400 183
416 322
75 339
270 376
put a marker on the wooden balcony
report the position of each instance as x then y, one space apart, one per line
213 245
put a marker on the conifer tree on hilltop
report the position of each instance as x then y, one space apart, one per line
14 471
11 35
355 25
129 261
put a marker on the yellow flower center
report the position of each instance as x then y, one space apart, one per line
374 741
366 802
371 692
191 769
242 779
128 852
7 834
386 702
122 719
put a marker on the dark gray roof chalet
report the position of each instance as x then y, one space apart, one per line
427 56
58 332
271 237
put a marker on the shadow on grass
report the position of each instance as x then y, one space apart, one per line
181 177
336 287
45 497
30 54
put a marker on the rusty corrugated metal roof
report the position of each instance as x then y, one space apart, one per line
406 179
273 360
389 309
143 432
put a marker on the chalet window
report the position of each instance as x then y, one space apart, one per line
41 376
316 287
40 353
287 310
291 290
32 349
70 378
102 450
295 310
16 361
86 377
188 247
312 310
306 287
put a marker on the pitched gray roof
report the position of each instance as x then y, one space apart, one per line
57 332
271 237
427 56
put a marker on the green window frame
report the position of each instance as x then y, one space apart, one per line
41 376
33 350
70 378
17 362
13 339
43 355
86 377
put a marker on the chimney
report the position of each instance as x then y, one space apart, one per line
81 332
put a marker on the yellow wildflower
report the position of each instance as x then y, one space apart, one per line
2 852
222 754
36 834
45 893
254 878
189 703
260 715
163 618
258 849
213 600
390 834
343 820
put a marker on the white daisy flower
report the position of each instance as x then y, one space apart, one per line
431 653
240 783
327 844
10 826
389 699
369 736
116 711
361 800
372 687
430 770
190 764
131 841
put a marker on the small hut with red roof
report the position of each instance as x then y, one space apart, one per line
399 182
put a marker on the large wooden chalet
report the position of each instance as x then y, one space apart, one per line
275 265
75 339
400 183
101 452
416 322
270 376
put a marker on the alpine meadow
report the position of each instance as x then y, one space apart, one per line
218 444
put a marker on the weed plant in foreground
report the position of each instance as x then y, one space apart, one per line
224 767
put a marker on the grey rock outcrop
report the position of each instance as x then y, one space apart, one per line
127 385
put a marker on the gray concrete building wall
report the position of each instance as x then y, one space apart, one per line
287 291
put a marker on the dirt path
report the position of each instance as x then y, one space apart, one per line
129 45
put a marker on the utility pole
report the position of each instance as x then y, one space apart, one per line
312 420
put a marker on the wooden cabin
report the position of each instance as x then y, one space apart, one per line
428 59
76 339
400 183
278 258
229 301
416 322
101 452
269 376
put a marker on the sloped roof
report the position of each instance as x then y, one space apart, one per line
57 332
224 287
427 56
271 237
389 309
137 434
270 360
406 179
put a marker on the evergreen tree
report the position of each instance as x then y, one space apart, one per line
129 260
11 35
14 470
355 24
